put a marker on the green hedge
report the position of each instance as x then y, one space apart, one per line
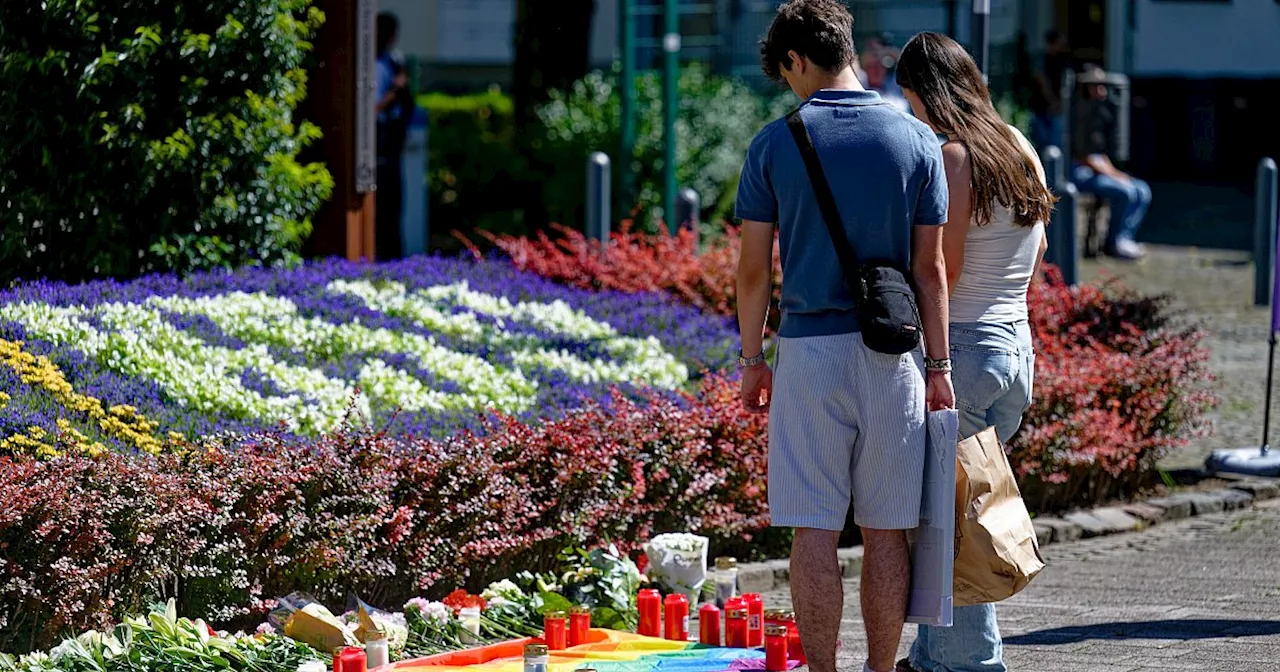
477 174
473 167
716 120
152 135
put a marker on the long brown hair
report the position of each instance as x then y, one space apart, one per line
938 70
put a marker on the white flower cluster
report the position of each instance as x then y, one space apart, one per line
505 590
637 359
140 342
259 318
680 541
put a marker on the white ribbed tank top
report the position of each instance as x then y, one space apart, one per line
999 259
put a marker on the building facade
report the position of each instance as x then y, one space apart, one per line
1204 73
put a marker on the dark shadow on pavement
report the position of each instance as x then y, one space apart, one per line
1192 629
1218 216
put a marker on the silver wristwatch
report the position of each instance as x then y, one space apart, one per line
750 362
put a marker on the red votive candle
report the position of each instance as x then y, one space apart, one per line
579 625
735 627
709 625
555 630
755 619
794 648
353 659
675 612
775 648
649 602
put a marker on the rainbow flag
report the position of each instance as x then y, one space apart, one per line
606 651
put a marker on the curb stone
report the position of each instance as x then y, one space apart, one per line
759 577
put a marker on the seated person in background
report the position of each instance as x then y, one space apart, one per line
1128 196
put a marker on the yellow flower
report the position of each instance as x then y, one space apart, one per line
120 421
24 444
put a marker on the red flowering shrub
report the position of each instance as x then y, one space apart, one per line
226 530
82 538
359 512
1116 388
636 262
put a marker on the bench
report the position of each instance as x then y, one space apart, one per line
1089 212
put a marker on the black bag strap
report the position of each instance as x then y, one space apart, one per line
826 200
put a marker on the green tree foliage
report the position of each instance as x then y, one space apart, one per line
150 134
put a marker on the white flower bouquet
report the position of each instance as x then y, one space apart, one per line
678 562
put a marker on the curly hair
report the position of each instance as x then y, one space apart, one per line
820 30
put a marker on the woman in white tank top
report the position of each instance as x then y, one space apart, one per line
993 241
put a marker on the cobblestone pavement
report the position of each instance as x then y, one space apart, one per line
1199 594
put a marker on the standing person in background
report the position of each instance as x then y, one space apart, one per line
993 243
394 110
1048 126
846 422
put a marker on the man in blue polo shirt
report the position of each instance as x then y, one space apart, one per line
845 422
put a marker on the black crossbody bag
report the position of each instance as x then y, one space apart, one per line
884 301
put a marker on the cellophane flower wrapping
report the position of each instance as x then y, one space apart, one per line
678 563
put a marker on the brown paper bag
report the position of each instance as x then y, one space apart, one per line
997 553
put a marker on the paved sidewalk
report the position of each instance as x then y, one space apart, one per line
1199 594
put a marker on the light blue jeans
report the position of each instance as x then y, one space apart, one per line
993 367
1128 200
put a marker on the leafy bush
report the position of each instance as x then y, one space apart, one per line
716 121
160 641
477 173
83 538
148 135
473 168
1116 386
225 529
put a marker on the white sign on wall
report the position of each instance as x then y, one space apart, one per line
366 93
476 31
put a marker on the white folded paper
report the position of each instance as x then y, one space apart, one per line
933 543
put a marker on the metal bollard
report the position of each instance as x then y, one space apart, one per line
597 224
1055 168
1064 249
688 207
982 34
1064 220
1266 204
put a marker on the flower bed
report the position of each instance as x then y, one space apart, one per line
224 530
431 345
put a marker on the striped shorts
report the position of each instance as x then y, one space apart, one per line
845 422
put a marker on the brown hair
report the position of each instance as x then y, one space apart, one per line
820 30
938 70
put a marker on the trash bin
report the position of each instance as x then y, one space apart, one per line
413 218
1082 104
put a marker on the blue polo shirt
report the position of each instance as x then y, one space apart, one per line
885 169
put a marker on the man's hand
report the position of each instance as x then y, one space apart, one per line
938 392
757 388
